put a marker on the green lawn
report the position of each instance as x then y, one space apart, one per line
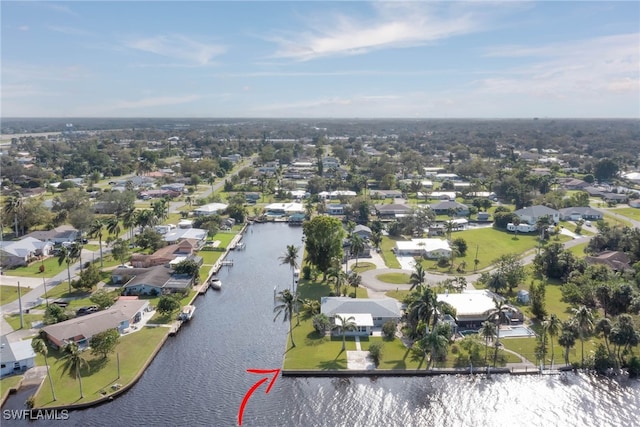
616 221
490 244
526 347
10 293
362 267
51 268
133 350
14 320
9 382
62 291
210 257
632 213
389 257
578 250
394 278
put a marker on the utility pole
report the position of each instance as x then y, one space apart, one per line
46 298
20 307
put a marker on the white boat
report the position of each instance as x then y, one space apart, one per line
215 283
187 312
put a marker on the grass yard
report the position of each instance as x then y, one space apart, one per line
389 257
10 293
490 244
62 291
578 250
133 350
167 318
632 213
613 221
362 267
29 319
51 268
394 278
9 382
398 294
526 347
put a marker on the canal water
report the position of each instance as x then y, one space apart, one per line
199 377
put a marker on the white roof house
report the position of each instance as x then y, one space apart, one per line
210 209
286 208
178 234
429 248
19 252
443 195
471 305
16 356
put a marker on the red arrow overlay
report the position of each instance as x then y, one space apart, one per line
275 373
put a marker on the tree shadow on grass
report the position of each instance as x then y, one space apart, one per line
314 339
96 365
329 365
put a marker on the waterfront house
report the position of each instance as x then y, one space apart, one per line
580 212
197 235
121 315
369 314
154 280
210 209
164 255
15 357
474 307
531 214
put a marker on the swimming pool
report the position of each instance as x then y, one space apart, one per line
516 331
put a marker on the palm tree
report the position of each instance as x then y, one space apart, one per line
345 324
583 318
354 280
376 239
436 344
129 220
567 339
68 254
418 276
498 315
287 303
448 228
39 346
424 306
356 245
290 257
145 218
13 205
95 229
113 225
74 362
552 326
604 327
542 223
488 332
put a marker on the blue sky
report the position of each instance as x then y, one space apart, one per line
320 59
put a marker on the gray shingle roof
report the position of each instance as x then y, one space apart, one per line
384 307
536 211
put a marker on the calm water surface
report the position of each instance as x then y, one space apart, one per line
199 377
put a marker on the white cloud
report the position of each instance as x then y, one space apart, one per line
68 30
587 68
158 101
395 25
23 28
178 46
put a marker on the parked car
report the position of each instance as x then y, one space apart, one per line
86 310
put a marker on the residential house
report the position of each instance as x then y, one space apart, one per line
392 211
446 177
426 248
483 216
61 234
252 197
531 214
156 280
178 187
443 195
573 184
385 194
210 209
594 191
615 197
121 315
446 207
197 235
283 209
163 255
580 212
474 307
22 252
616 260
153 194
362 231
15 357
367 313
335 209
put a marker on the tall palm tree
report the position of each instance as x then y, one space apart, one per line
129 220
113 225
418 276
345 324
68 254
145 218
74 362
287 303
498 315
567 339
39 346
96 229
356 245
290 257
488 332
13 205
603 326
376 239
435 344
354 280
448 228
424 306
541 225
583 318
552 326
